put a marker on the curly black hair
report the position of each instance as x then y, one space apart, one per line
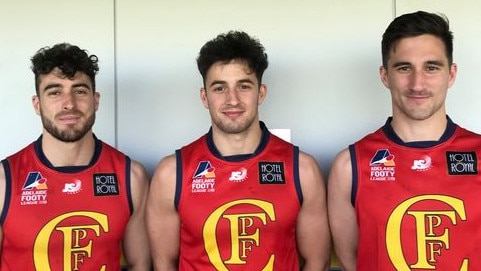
234 45
70 59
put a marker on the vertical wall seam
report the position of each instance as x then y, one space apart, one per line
116 104
394 9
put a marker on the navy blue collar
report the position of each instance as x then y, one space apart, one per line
240 157
391 134
67 169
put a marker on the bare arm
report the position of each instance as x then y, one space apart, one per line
163 222
313 235
342 216
2 199
135 242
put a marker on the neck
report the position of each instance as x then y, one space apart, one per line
63 154
410 130
239 143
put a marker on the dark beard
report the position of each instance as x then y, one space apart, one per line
70 135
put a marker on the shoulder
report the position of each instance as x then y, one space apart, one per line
307 162
468 132
137 171
2 174
139 182
309 171
342 163
2 170
166 166
3 185
163 184
194 145
19 155
343 158
107 148
165 172
340 175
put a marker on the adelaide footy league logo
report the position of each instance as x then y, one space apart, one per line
34 190
203 179
382 166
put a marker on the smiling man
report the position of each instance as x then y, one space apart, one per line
238 198
406 197
70 201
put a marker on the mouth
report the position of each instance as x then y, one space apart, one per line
419 97
418 94
233 114
69 118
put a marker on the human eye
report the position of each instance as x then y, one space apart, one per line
52 92
80 91
217 88
403 68
432 68
245 87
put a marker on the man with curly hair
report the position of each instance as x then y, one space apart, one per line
70 201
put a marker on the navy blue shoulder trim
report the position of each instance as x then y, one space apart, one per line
8 190
128 183
297 179
178 178
352 153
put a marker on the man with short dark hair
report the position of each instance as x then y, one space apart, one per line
238 198
406 197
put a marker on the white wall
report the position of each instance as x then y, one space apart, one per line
323 55
28 25
322 80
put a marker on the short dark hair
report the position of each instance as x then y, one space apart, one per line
416 24
70 59
234 45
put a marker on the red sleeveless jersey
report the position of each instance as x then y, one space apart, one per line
418 204
238 212
71 218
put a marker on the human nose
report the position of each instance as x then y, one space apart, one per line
68 101
417 80
232 96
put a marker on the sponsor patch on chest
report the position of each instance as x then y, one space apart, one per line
271 173
462 163
105 184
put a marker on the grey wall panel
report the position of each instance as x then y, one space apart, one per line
322 81
26 26
323 78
